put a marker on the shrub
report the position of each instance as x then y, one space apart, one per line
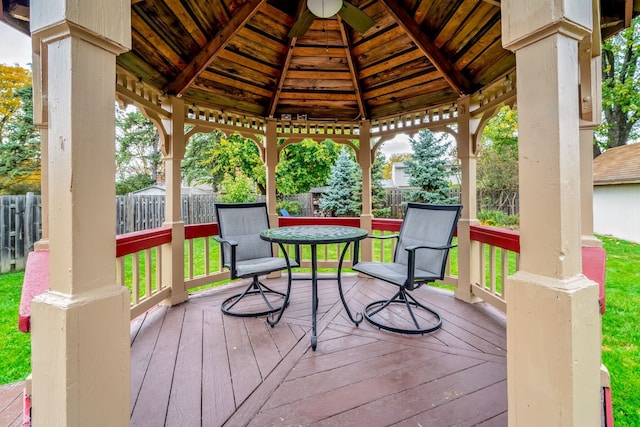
498 219
238 189
382 213
291 206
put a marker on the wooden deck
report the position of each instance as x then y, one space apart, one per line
193 366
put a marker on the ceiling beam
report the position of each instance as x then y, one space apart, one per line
213 48
450 73
273 104
346 42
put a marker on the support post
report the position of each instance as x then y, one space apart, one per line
80 327
271 162
553 321
173 252
366 157
468 250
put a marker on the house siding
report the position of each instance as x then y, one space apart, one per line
616 209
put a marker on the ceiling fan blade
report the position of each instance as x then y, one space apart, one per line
302 24
356 18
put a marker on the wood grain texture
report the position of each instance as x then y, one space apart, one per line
209 369
236 55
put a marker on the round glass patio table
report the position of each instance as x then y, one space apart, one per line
314 235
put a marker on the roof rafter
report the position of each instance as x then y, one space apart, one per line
346 41
213 48
273 103
454 77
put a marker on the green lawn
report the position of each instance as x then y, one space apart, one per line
15 348
621 331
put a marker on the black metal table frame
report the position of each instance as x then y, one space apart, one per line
313 242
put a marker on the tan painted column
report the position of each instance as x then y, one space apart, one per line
40 120
553 324
271 161
591 102
468 251
173 253
586 186
80 327
366 157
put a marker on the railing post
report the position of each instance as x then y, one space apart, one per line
365 159
173 252
468 250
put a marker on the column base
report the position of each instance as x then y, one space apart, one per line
553 351
81 358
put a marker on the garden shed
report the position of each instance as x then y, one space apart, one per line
616 192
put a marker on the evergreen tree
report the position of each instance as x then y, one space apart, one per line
342 197
378 192
427 169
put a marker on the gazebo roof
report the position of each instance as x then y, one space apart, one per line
237 56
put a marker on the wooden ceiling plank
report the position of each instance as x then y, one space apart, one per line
153 39
241 60
394 63
211 50
186 20
455 78
320 74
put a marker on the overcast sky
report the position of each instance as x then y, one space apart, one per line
15 47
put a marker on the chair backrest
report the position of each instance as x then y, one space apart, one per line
431 225
243 223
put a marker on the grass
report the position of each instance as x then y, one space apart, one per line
620 342
621 329
15 346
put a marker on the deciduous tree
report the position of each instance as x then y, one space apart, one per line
620 89
19 145
138 159
305 165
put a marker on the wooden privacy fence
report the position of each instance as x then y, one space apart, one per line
21 224
20 228
142 212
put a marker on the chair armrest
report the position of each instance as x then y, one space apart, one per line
232 262
388 236
223 241
414 247
411 262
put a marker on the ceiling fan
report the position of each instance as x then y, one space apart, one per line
353 16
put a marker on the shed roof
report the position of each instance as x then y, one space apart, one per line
618 165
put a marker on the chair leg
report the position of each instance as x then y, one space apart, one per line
254 288
402 298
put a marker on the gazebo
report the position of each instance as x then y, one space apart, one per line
235 66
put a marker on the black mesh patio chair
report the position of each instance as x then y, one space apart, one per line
420 257
246 255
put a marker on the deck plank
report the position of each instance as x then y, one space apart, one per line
185 408
11 401
252 374
218 402
193 366
156 387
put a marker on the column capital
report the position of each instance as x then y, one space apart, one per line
566 28
105 24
